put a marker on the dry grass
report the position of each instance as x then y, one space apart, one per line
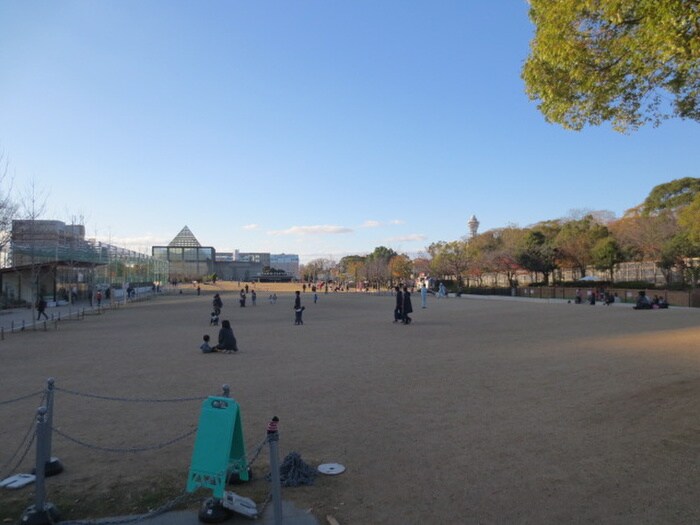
478 412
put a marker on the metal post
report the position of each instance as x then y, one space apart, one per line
49 416
273 439
40 494
42 512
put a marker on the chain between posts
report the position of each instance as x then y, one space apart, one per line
32 425
127 399
124 450
183 497
24 454
8 401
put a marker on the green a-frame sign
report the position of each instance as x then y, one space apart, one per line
219 449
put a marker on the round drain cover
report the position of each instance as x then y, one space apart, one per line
331 468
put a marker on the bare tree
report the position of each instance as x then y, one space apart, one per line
8 209
33 206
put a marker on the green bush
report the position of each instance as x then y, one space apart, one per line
634 285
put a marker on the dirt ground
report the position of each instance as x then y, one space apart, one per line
481 411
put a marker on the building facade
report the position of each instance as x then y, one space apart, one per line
287 262
187 258
54 260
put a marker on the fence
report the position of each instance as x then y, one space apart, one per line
41 429
624 295
23 319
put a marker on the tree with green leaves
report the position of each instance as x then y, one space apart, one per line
671 196
689 220
450 259
627 62
680 253
382 253
606 255
538 252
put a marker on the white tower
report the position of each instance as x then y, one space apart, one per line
473 224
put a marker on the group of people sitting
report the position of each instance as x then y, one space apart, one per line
644 303
227 340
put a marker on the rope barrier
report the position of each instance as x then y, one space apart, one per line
3 471
8 401
184 497
123 450
24 454
127 399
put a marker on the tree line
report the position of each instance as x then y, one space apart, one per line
664 229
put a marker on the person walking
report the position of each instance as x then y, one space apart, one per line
298 309
406 308
424 296
398 316
41 308
217 303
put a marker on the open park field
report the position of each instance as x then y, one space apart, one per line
481 411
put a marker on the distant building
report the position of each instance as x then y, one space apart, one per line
473 225
285 261
255 257
54 260
187 258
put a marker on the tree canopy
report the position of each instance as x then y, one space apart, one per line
627 62
671 195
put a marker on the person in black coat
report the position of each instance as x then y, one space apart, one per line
217 304
398 316
227 341
407 308
298 309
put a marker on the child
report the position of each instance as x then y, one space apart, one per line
214 320
205 348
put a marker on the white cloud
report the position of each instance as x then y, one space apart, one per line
396 221
311 230
250 227
408 238
371 224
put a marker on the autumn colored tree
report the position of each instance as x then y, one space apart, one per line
450 259
400 268
575 242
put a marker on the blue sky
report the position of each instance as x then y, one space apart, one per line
311 127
